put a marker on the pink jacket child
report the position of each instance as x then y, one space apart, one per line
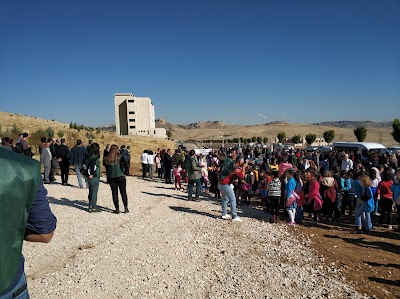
177 175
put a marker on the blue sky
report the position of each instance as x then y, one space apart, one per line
202 60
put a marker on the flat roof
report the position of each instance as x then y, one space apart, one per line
123 94
366 144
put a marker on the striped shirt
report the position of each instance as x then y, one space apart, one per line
274 188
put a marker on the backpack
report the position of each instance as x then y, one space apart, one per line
85 167
226 168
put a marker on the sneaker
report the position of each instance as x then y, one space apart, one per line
226 217
291 223
126 210
237 219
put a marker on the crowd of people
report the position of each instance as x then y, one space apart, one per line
326 185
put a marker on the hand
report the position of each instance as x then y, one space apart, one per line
90 177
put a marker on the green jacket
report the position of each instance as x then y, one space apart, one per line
113 170
16 170
193 169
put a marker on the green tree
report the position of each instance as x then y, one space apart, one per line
235 140
310 138
360 133
60 134
49 132
241 139
71 125
329 136
253 139
15 129
296 139
396 130
248 140
259 140
98 130
281 137
265 140
169 134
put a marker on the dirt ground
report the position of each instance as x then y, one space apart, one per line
370 262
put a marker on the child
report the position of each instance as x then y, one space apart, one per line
314 197
177 176
247 186
386 198
396 194
262 189
289 188
349 194
301 200
274 195
328 191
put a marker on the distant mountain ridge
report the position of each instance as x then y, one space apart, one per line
354 124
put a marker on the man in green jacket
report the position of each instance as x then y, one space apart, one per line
24 215
194 175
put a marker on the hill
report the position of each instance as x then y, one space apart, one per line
354 124
11 124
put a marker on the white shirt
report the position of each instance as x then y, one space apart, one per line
145 158
347 164
150 159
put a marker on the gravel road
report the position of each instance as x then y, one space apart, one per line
167 247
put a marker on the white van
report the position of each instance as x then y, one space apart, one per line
362 147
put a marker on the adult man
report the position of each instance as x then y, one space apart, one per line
77 154
106 150
229 172
193 170
45 159
167 166
42 144
54 160
24 214
145 162
124 152
347 164
62 154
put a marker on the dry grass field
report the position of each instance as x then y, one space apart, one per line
33 124
380 135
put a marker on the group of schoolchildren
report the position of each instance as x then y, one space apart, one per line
326 194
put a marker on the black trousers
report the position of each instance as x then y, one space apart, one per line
115 184
168 174
64 166
386 209
145 168
274 202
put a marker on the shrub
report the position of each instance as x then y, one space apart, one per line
296 139
281 136
310 138
396 130
49 132
265 140
360 133
329 136
60 134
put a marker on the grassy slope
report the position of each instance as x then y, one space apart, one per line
32 124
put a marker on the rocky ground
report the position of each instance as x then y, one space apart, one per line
167 247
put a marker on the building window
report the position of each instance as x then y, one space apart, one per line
154 132
131 101
132 127
131 112
132 119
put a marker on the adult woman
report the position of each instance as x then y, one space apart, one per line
93 177
366 206
115 177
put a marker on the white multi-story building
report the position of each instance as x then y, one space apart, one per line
135 116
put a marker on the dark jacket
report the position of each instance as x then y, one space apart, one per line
94 166
115 170
62 151
77 154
